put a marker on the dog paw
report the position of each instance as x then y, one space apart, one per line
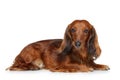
101 67
106 67
91 69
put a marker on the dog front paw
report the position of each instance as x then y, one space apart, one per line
101 67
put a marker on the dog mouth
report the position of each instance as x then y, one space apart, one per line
76 44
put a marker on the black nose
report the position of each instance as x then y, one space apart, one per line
77 43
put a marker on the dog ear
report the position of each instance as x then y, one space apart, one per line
66 43
93 45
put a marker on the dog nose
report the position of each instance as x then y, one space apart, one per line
77 43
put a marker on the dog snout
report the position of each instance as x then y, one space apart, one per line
77 43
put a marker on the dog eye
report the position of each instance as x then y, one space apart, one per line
73 30
86 31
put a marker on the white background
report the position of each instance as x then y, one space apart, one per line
26 21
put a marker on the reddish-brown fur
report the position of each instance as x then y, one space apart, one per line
63 55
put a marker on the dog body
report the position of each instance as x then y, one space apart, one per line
76 52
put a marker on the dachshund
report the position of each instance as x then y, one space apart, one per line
75 53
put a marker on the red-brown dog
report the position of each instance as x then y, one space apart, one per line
76 52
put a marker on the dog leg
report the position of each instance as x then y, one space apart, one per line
99 66
72 68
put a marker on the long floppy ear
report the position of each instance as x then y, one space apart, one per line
66 43
93 46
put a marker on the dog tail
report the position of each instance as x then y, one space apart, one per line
17 65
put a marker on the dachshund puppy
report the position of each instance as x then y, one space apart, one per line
76 52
